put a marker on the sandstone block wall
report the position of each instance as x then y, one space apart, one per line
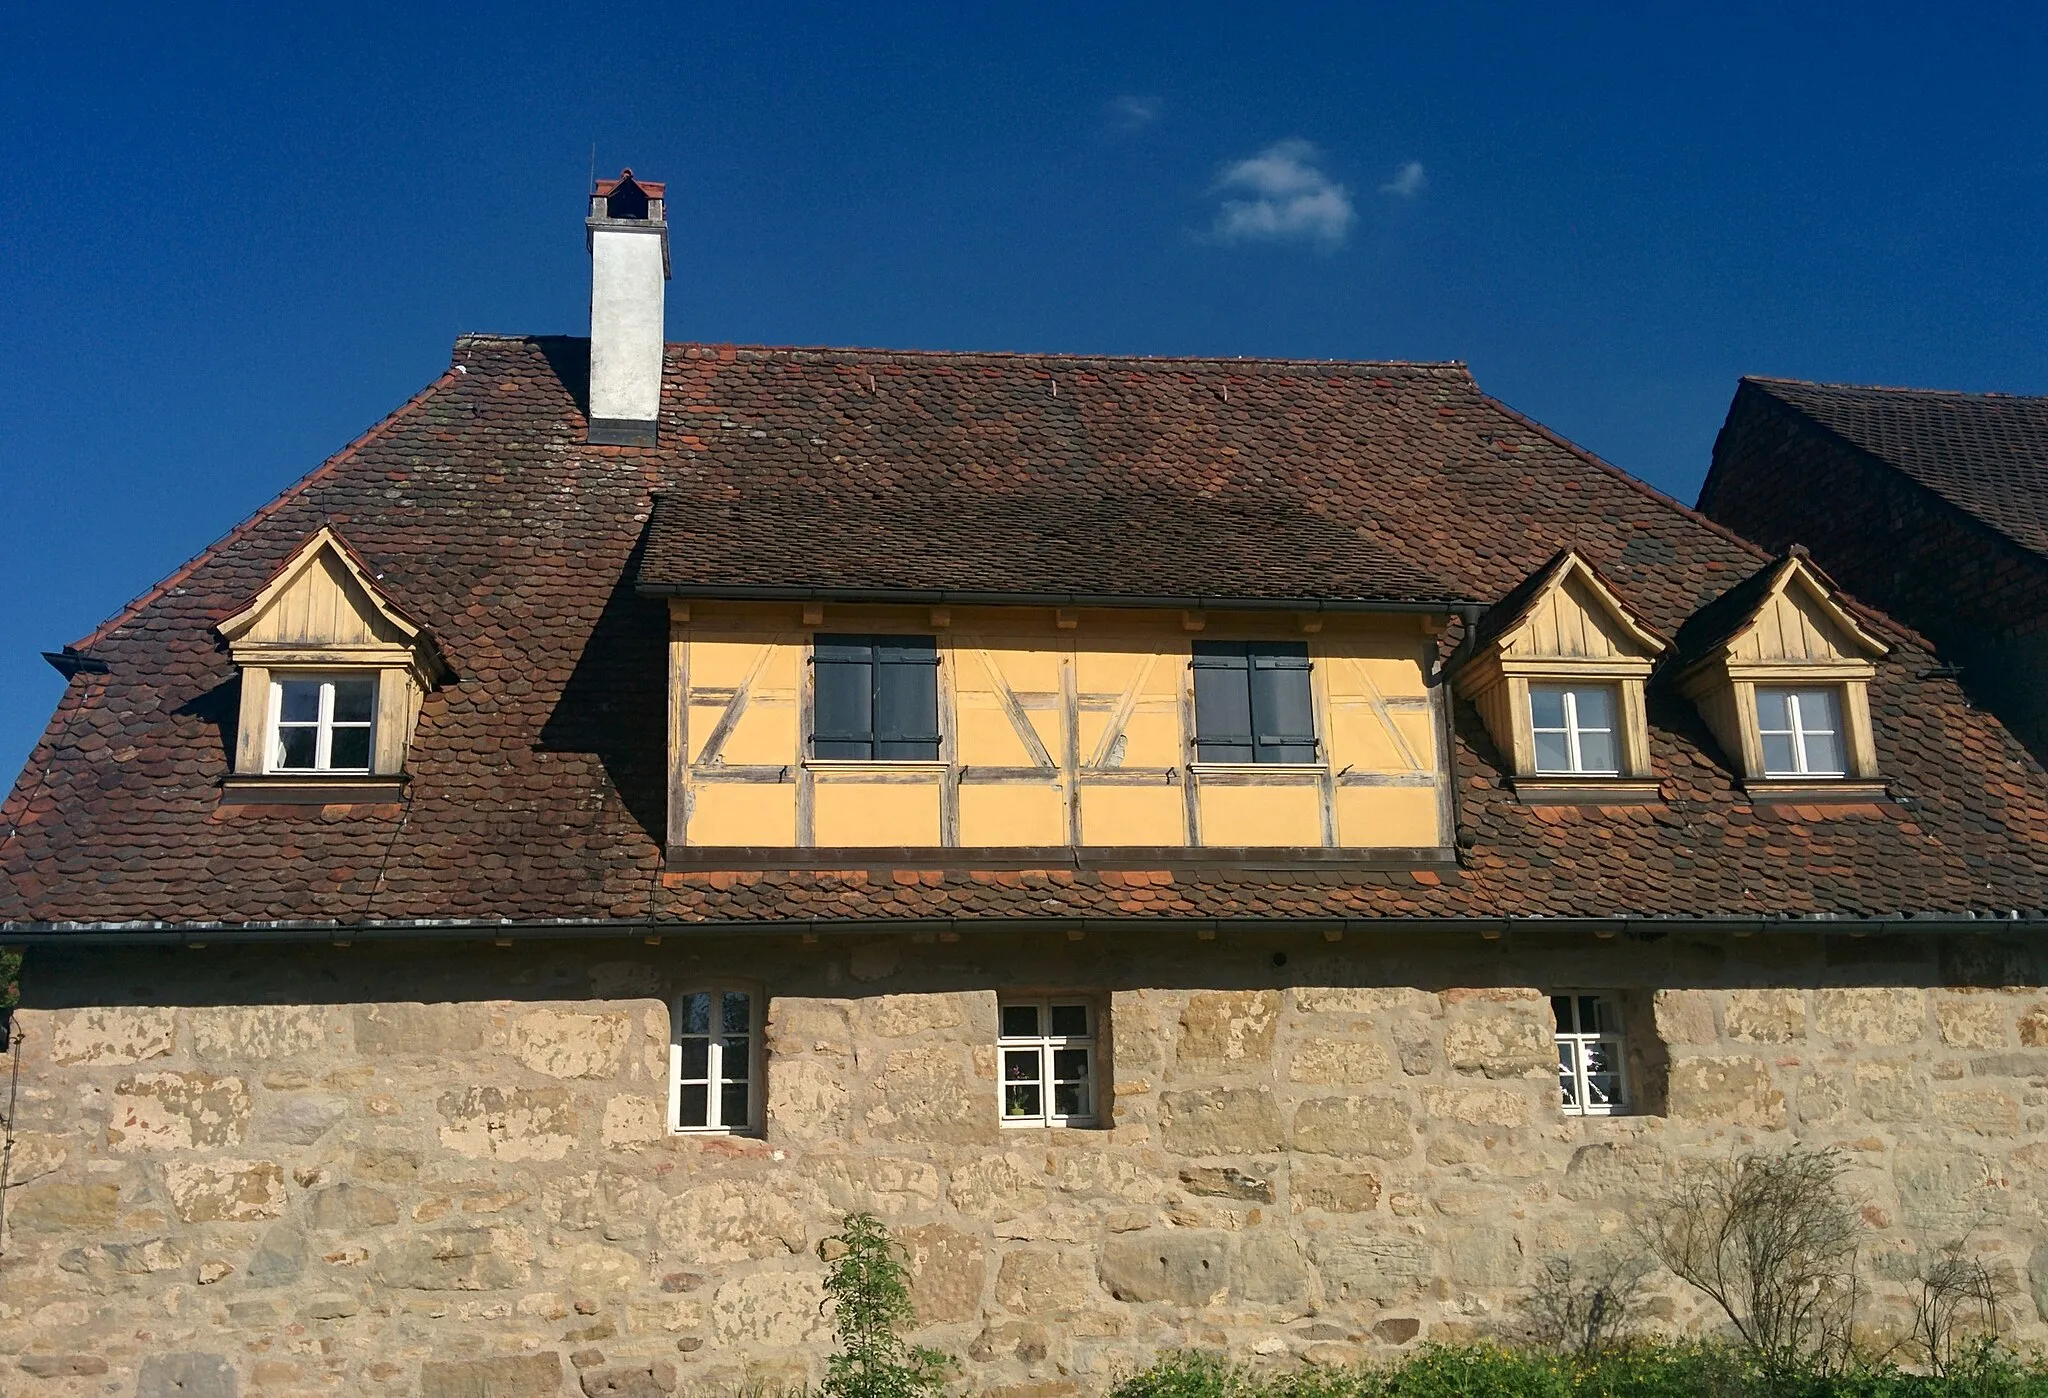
446 1170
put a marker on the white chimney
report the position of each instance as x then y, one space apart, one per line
628 237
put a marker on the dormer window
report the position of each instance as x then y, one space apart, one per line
333 673
1781 672
1556 670
322 725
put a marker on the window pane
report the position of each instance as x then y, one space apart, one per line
733 1058
1069 1065
1778 754
1596 753
693 1103
732 1105
1223 702
1546 705
1020 1021
348 748
1597 1016
1070 1099
1771 712
1595 704
1567 1074
299 701
1020 1065
738 1013
1824 754
1070 1021
353 700
1021 1099
296 748
695 1014
1553 753
1561 1011
694 1055
1283 717
1820 708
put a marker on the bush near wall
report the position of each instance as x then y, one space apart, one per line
1635 1371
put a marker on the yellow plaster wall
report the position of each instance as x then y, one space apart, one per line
1098 705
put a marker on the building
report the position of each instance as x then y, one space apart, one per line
1236 853
1933 506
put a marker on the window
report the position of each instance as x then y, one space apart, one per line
1252 702
712 1060
1591 1054
877 697
1048 1052
1574 729
321 725
1801 731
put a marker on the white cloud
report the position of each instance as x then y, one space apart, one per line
1292 200
1408 181
1132 111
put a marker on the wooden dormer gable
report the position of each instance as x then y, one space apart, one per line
1565 626
323 613
1783 628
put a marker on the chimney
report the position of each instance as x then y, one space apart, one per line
628 238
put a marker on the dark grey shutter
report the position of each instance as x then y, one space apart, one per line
843 714
907 697
876 697
1223 702
1283 716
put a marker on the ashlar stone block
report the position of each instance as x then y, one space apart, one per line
1221 1121
768 1310
178 1111
1180 1267
1765 1016
1324 1060
506 1376
1228 1028
1353 1126
1873 1015
214 1189
568 1044
730 1221
1735 1090
524 1123
112 1034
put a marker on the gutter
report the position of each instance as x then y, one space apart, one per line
944 596
170 934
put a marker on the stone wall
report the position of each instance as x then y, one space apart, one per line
445 1170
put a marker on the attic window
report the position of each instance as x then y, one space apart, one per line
333 673
322 725
1557 671
1801 731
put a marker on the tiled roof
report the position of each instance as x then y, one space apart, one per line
1985 453
536 773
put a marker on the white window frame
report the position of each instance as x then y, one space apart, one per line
323 726
1799 730
1573 729
1572 1045
1046 1043
716 1078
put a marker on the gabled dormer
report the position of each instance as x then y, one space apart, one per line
1556 669
333 672
1781 671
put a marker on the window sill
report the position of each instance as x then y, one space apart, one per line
1562 789
312 789
1816 791
1089 1124
1258 769
879 766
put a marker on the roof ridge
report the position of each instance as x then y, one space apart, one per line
1768 380
276 502
1457 366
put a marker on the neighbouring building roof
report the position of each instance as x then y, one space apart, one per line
537 770
1984 453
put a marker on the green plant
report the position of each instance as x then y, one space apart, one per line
868 1288
1771 1239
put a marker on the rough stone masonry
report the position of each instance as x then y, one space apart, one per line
445 1170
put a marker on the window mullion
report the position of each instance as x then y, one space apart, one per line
323 729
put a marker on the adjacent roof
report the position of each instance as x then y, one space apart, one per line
536 775
1985 453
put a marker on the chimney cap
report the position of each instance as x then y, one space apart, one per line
653 189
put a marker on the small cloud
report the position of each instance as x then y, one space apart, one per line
1408 181
1133 112
1292 199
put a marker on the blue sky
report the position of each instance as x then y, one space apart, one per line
231 240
